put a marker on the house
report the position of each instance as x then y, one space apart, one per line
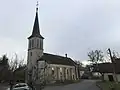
46 67
107 70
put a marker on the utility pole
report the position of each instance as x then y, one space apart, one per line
113 64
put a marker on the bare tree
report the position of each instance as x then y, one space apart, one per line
15 63
95 56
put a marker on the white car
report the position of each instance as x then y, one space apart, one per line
21 86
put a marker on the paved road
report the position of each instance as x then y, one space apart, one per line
84 85
3 87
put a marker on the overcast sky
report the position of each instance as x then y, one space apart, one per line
69 26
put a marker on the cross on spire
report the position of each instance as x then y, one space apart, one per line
37 6
36 29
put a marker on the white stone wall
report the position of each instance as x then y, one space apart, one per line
77 74
118 77
61 74
34 52
107 79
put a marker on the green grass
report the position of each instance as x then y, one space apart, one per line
107 85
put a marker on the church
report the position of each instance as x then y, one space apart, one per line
46 67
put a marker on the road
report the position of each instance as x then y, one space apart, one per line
84 85
3 87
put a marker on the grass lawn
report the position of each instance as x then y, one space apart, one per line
106 85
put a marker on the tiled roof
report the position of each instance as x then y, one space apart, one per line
56 59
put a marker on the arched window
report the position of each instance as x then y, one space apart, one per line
37 43
73 77
30 53
41 46
67 71
60 69
32 43
52 71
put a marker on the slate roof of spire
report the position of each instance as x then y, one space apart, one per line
56 59
36 29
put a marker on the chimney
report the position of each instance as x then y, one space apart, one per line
66 55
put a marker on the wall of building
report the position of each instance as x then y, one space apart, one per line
39 73
33 56
118 77
107 79
62 72
106 76
34 51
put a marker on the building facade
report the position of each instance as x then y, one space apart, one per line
109 71
45 67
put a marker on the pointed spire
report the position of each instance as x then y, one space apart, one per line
37 7
36 30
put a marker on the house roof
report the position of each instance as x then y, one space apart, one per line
36 30
107 67
56 59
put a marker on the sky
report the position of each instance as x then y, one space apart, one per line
74 27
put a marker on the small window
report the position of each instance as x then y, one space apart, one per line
30 53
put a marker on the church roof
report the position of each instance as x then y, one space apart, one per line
56 59
36 30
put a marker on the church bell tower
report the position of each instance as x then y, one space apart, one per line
35 44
